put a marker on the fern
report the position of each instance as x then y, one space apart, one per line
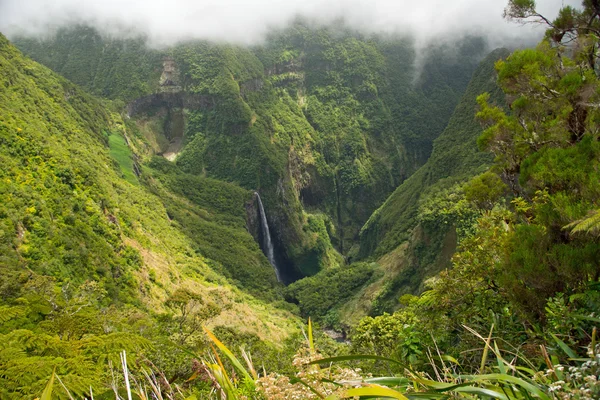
588 225
28 359
11 312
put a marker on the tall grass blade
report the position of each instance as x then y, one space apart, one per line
440 386
530 389
126 373
248 358
568 351
499 360
47 393
485 351
389 381
453 360
64 387
220 363
358 357
221 378
482 392
594 332
236 363
376 391
153 384
311 341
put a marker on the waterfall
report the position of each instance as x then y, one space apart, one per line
267 242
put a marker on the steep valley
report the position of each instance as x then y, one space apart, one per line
323 122
352 214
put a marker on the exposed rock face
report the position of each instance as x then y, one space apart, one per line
172 106
170 100
293 65
252 222
174 131
170 76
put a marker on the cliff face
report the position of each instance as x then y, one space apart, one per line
166 100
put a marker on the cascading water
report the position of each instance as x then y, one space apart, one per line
267 241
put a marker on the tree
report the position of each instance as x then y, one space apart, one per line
552 90
191 311
578 29
547 151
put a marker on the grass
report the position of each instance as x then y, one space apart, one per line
122 154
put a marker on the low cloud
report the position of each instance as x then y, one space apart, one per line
248 21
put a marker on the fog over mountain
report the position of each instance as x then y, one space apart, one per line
247 21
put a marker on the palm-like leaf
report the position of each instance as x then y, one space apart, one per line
590 224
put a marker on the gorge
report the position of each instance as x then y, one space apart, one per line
187 204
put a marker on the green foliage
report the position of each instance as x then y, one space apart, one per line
100 64
319 294
589 224
120 151
511 377
520 267
429 210
518 9
60 331
58 218
547 153
454 158
212 214
519 264
450 207
390 335
92 265
485 190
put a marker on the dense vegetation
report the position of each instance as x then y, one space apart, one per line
414 233
324 122
527 267
92 263
482 277
100 64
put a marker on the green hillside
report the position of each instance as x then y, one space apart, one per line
414 233
92 264
455 158
100 64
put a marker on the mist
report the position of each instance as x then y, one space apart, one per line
165 22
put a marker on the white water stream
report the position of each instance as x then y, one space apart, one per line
268 242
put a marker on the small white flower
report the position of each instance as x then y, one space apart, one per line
553 388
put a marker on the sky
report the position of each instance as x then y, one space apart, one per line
247 21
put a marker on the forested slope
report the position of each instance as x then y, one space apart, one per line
92 262
455 157
101 65
413 235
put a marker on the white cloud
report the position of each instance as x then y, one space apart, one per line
247 21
